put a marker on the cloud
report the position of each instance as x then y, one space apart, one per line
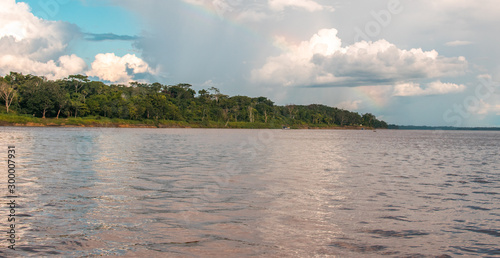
64 66
458 43
309 5
486 10
434 88
32 45
486 108
322 61
257 10
253 16
209 84
21 33
109 36
115 69
236 8
350 105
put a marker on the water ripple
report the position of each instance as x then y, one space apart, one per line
234 193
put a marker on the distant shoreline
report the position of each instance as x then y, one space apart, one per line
21 121
442 128
187 127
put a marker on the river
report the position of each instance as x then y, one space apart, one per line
265 193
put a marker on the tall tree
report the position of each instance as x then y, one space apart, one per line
78 81
7 93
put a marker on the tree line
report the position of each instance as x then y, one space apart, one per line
77 96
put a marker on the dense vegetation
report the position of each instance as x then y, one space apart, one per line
76 97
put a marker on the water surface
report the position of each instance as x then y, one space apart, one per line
274 193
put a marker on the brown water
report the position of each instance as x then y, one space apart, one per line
235 193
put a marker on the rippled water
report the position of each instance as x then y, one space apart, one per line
293 193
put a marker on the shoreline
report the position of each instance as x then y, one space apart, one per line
65 123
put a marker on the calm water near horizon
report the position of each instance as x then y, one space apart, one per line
264 193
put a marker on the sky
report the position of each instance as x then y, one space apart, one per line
418 62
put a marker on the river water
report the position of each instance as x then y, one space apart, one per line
265 193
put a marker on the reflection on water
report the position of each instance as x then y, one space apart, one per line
186 192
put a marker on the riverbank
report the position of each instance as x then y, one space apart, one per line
27 121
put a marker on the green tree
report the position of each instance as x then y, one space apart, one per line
368 119
78 96
78 81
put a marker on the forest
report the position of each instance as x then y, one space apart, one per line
78 97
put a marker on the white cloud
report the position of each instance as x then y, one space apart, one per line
309 5
210 83
458 43
21 33
295 66
434 88
32 45
35 46
486 108
110 67
350 105
323 61
63 67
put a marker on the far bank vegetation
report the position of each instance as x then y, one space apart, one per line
29 98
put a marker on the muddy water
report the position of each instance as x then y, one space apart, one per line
293 193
